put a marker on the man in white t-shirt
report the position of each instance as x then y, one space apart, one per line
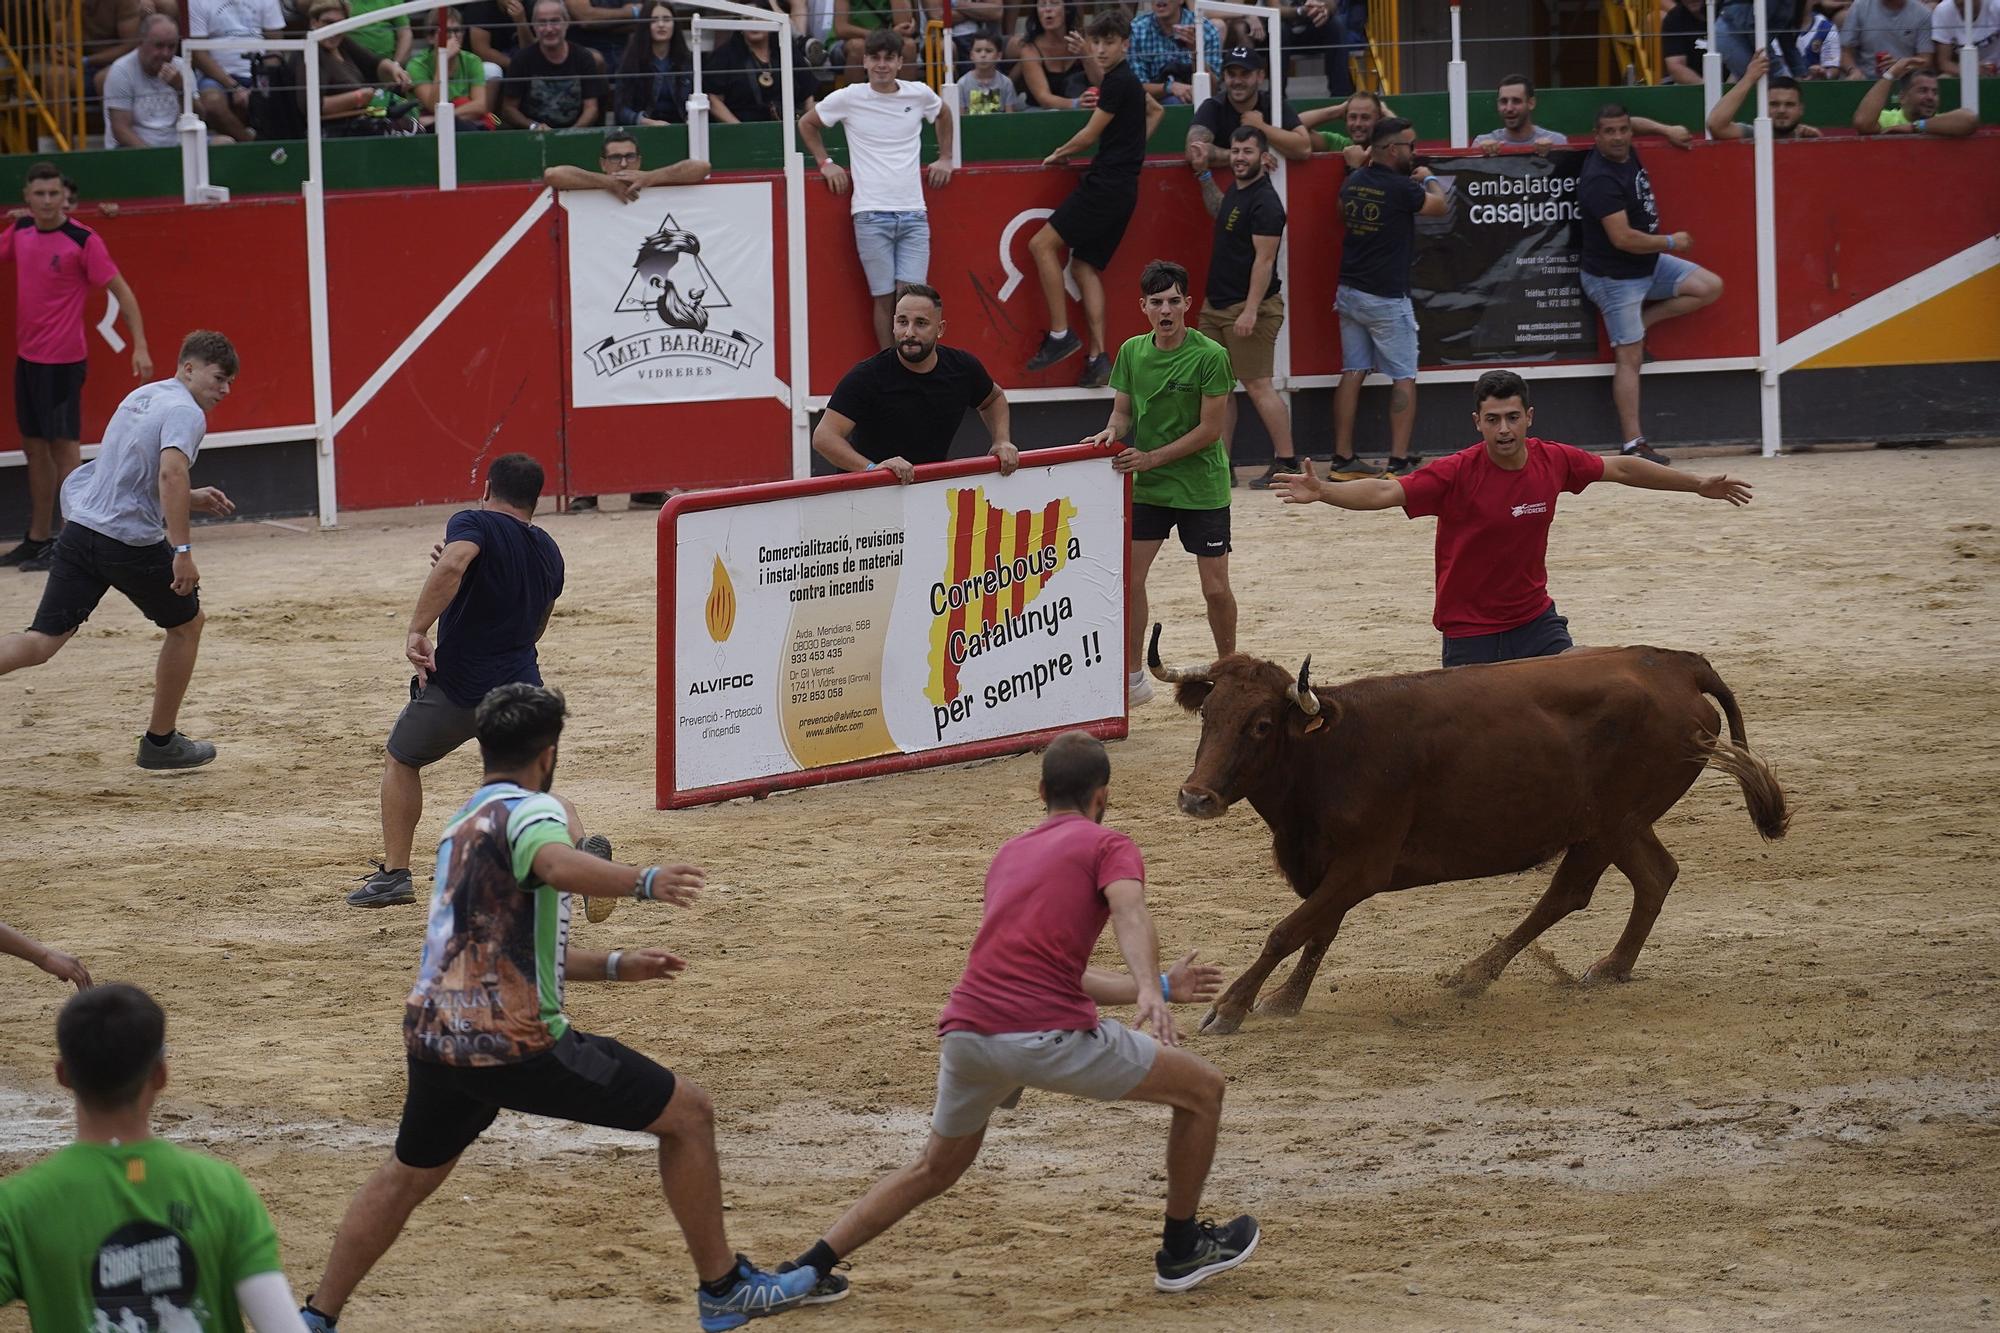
885 126
142 90
222 78
1949 22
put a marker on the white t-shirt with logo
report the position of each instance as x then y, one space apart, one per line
234 18
1948 29
884 142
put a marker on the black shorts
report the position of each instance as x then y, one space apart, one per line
48 399
1203 531
431 726
590 1080
88 563
1544 636
1092 220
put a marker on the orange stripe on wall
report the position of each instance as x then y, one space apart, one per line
1962 324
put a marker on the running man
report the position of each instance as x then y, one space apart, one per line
1494 503
493 585
58 262
1024 1015
128 529
121 1230
484 1027
1173 391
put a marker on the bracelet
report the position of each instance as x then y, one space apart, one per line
1166 991
1204 175
611 964
183 548
643 887
1670 243
1921 123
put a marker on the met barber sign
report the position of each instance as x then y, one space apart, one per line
671 296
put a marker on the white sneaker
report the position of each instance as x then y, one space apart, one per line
1138 689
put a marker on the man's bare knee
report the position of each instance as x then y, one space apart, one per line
690 1110
191 628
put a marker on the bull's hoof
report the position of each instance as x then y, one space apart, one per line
1282 1004
1215 1023
1607 969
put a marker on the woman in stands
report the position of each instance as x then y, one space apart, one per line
1057 71
656 74
749 74
349 103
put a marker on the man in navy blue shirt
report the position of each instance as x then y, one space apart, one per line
492 585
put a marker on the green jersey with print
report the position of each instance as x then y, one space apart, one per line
142 1237
490 987
1166 389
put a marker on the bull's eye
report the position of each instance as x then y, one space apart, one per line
1261 727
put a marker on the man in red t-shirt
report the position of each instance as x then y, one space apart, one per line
58 262
1494 503
1024 1015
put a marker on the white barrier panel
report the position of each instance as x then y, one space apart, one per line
847 626
672 297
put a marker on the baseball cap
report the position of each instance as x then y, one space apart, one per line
1239 55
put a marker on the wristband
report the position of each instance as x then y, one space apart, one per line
1204 175
871 467
643 888
1166 991
611 964
184 548
1921 123
1671 246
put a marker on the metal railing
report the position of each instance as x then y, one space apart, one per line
41 74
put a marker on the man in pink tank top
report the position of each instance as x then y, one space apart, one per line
1024 1015
58 263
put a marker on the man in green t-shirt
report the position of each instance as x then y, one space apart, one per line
1173 387
124 1231
390 39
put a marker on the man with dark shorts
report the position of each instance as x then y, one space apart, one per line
484 1028
901 407
1025 1015
1092 221
128 529
1173 387
493 584
1494 503
58 262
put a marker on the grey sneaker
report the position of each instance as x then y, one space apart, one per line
597 909
384 888
1217 1249
832 1287
179 752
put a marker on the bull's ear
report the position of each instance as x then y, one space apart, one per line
1329 711
1192 694
1315 723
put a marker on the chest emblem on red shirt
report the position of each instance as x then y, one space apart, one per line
1533 507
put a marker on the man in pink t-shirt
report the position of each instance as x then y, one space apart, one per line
58 262
1024 1015
1494 504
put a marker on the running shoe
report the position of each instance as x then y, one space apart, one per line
1280 467
597 909
1633 449
832 1287
1054 348
1096 372
648 499
27 550
383 888
179 751
756 1294
1403 467
583 504
1350 469
314 1321
41 562
1138 689
1217 1249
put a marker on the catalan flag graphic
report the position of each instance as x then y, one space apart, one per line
998 561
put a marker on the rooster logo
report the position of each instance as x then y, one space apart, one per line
670 282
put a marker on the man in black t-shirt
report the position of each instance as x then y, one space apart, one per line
1244 101
554 84
1092 221
1243 309
901 407
1380 205
1684 41
493 582
1632 274
493 29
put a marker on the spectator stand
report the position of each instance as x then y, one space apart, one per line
328 421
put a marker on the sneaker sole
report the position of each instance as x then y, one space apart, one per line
1201 1275
828 1299
597 910
408 895
157 767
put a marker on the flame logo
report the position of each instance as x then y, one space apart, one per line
721 603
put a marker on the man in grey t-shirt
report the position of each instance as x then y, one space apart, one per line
142 91
1516 103
128 529
1875 34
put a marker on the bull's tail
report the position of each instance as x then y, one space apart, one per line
1761 792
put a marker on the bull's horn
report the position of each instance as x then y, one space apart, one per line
1171 675
1302 693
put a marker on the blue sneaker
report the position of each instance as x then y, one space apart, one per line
755 1295
314 1321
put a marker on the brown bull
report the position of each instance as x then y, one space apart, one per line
1396 781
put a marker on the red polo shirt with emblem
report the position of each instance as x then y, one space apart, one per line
1493 531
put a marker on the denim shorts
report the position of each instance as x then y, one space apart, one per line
895 247
1620 300
1377 333
1544 636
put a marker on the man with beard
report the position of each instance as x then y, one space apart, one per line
1244 310
1787 106
1244 101
474 1046
902 406
1916 110
1380 205
1358 116
1516 104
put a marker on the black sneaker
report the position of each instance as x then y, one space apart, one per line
648 499
41 562
832 1287
1054 348
1280 467
1403 467
383 888
583 504
1635 449
1217 1249
597 909
179 751
1096 372
1350 469
27 550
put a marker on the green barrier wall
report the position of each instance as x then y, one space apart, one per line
268 168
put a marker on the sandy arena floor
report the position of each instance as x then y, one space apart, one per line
1791 1116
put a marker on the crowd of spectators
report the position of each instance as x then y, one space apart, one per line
1830 39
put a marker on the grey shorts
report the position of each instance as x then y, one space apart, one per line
978 1074
430 727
